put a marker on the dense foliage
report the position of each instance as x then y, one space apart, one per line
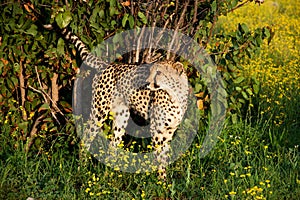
38 69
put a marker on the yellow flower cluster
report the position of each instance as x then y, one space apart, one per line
93 187
258 189
277 67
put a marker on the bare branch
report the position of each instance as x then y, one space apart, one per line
67 4
180 22
148 52
47 98
54 88
211 30
33 133
238 6
195 15
137 55
22 88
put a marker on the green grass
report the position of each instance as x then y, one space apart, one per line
251 161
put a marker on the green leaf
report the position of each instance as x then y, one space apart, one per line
101 14
48 119
235 43
118 55
112 11
232 99
242 101
23 125
13 82
234 118
143 17
60 46
244 94
243 28
233 3
256 88
267 32
231 67
198 87
63 19
116 38
45 106
113 23
239 80
249 91
16 67
124 20
131 21
238 88
214 6
32 30
258 40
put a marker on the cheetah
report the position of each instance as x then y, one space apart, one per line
157 92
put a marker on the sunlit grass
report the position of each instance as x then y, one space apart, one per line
244 164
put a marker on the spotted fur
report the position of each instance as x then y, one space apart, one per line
157 92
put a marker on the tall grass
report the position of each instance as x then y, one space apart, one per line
248 162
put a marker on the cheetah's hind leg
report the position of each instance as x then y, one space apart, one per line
121 116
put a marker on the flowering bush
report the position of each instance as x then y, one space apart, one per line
277 66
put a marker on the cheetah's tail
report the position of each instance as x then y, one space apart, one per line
72 38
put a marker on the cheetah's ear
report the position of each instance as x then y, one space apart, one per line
179 67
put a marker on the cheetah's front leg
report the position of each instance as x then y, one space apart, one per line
161 147
165 116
